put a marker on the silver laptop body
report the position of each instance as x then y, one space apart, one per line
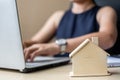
11 50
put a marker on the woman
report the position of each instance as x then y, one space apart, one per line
84 20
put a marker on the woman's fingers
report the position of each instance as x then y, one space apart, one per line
28 51
34 54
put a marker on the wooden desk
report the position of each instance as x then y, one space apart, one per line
57 73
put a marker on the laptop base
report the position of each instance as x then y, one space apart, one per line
28 70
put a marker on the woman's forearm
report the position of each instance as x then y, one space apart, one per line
105 40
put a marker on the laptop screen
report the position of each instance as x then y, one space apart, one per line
11 51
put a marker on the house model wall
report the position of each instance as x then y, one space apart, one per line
88 60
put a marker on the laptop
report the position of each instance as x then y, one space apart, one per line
11 48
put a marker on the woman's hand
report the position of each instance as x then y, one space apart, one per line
48 49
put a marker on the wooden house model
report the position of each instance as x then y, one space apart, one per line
88 59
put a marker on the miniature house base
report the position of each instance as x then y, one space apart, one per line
89 60
88 75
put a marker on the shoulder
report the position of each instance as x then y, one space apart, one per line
106 11
59 13
57 16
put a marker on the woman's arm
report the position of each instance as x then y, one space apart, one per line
49 29
107 34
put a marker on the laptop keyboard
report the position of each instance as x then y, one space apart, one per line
42 61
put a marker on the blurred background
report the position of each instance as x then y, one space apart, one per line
34 13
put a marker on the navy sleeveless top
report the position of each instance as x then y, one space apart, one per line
74 25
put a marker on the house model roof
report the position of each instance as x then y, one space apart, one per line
81 46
